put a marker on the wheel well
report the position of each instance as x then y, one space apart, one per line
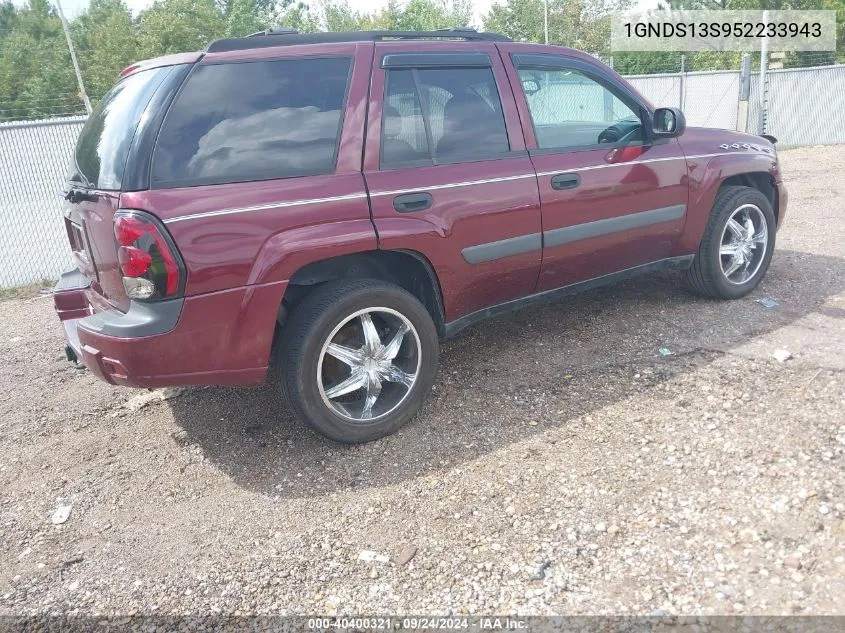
760 181
407 269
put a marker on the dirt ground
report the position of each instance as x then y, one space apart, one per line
562 464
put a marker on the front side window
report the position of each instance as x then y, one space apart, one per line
247 121
571 110
441 115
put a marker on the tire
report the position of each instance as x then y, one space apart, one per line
708 276
316 378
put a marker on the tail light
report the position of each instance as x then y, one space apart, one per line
151 266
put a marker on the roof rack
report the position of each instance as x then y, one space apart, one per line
275 30
290 37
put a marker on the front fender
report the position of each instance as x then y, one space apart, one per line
706 175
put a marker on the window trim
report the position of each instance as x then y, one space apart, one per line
210 181
433 160
140 162
435 60
621 92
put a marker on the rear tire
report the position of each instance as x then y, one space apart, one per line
358 359
737 246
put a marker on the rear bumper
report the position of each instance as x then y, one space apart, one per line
220 338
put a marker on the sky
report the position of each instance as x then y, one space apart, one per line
74 7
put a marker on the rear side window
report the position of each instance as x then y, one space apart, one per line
248 121
104 142
441 115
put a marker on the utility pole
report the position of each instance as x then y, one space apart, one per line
546 21
744 92
73 58
764 87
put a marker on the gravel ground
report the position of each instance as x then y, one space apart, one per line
562 464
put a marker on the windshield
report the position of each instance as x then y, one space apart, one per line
104 142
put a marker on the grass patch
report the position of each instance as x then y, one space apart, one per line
26 292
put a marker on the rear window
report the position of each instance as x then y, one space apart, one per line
256 120
104 142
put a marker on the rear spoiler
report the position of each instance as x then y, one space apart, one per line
769 138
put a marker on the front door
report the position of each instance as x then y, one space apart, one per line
611 197
448 174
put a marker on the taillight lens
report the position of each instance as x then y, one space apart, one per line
151 266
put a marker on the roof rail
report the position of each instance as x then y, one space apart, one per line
290 37
275 30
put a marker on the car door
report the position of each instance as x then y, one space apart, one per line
611 197
448 174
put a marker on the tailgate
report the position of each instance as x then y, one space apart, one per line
89 223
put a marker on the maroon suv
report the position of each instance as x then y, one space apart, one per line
337 203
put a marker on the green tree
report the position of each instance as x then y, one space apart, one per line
340 16
106 40
416 15
429 15
8 18
176 26
36 75
581 24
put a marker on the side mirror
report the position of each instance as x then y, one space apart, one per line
531 86
668 123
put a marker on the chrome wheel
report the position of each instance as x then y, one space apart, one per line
743 244
369 364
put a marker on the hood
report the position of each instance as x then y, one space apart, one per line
701 140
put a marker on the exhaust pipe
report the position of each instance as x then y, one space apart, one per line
71 355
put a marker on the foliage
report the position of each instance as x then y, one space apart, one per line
36 75
37 78
582 24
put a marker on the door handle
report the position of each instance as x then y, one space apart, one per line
565 181
412 202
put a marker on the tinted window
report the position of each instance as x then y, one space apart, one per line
570 110
403 138
447 115
104 142
253 121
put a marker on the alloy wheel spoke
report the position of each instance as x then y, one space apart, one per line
389 351
372 341
736 262
759 238
729 249
373 392
394 374
749 228
347 355
356 381
736 229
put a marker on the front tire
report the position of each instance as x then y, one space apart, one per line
737 246
358 359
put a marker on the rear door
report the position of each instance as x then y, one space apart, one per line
611 197
448 173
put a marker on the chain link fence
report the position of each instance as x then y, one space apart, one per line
803 106
34 159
